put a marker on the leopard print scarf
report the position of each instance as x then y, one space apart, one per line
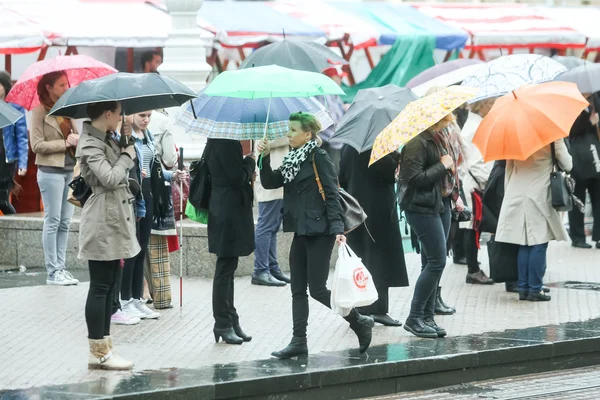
294 159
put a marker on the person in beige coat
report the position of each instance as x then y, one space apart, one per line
270 216
474 176
107 230
53 140
527 217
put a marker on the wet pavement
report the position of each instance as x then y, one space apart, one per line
45 346
13 278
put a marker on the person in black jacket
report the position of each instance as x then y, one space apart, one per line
316 224
378 242
584 141
428 186
230 229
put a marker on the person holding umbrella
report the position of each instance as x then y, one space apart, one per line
54 140
107 231
317 226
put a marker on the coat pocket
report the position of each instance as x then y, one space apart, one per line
316 222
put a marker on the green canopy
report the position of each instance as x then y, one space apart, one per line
407 58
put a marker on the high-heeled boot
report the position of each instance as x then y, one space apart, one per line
238 331
228 335
442 308
296 348
363 327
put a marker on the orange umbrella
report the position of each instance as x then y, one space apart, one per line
528 119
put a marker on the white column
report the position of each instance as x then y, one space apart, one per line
185 53
185 60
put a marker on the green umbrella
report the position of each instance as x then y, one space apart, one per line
271 81
136 92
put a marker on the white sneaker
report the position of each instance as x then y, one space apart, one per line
120 318
143 308
68 275
130 310
59 279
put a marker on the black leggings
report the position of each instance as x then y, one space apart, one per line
98 308
309 267
132 285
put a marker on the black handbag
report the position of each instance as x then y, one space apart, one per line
503 259
561 194
81 191
353 214
200 184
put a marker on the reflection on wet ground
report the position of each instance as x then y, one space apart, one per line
273 377
15 278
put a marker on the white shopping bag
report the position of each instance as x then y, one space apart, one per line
352 283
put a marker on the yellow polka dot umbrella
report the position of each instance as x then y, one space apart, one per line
417 117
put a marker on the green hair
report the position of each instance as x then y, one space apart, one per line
308 122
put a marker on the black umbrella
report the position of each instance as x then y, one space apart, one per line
136 92
372 110
305 56
8 114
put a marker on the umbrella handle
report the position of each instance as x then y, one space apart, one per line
265 132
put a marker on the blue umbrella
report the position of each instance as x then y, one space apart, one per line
8 115
244 119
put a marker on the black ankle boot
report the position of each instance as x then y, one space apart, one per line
238 331
228 335
296 348
441 332
419 328
363 327
442 308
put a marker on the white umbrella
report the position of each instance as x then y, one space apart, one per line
451 78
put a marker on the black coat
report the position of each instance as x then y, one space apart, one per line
374 188
230 220
582 137
304 211
492 198
421 173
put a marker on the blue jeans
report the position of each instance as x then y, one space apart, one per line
432 231
270 215
532 267
54 188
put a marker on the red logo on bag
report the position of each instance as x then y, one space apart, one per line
360 278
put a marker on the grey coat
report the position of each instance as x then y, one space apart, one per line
527 217
107 230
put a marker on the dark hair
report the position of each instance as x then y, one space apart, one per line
148 56
5 81
308 122
95 110
49 79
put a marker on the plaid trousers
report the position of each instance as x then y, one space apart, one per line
158 273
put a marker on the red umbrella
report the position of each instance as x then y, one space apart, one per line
79 68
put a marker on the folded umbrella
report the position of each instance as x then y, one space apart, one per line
78 68
417 117
371 111
586 77
136 92
507 73
8 115
305 56
244 119
528 119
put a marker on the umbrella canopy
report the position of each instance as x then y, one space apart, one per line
8 115
271 81
586 77
244 119
371 111
78 68
569 61
136 92
305 56
417 117
451 78
538 116
441 69
506 73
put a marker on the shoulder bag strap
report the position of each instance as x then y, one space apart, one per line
553 150
317 178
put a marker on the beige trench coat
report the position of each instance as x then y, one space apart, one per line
474 172
107 229
527 217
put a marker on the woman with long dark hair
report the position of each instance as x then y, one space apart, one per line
317 226
54 140
429 179
107 229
